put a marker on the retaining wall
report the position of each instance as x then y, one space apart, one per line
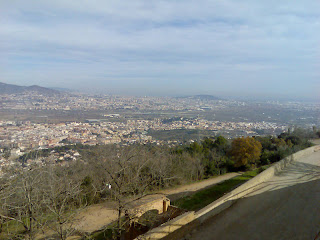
180 226
168 227
227 200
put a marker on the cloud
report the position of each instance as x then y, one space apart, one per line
123 41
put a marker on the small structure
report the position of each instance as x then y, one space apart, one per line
147 213
140 206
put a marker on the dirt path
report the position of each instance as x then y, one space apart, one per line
97 216
316 141
185 190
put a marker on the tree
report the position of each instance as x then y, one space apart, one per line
21 202
125 171
207 143
195 148
161 168
35 200
245 151
220 142
62 200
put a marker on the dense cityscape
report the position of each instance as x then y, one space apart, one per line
128 120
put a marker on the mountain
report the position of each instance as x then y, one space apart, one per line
202 97
206 97
14 89
62 89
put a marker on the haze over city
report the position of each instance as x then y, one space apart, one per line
225 48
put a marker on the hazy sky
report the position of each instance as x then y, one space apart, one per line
173 47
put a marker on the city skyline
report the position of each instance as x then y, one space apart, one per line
255 49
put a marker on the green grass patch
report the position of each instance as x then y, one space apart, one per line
14 228
204 197
11 227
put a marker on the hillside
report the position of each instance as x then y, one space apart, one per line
202 97
14 89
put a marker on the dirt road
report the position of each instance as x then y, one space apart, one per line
97 216
285 207
185 190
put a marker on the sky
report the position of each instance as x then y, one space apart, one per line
260 48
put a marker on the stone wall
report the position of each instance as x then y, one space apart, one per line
168 227
139 207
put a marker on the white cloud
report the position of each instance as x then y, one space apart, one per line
159 40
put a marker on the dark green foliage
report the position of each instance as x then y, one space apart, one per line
277 148
195 148
220 143
34 154
6 153
213 158
266 157
86 182
88 193
46 152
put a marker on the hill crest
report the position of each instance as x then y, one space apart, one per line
202 97
6 88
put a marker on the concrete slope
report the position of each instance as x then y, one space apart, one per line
287 206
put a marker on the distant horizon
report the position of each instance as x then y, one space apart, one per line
265 96
223 96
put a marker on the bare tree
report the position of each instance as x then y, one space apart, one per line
163 168
62 200
125 171
20 202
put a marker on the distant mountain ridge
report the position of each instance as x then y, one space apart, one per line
62 89
202 97
14 89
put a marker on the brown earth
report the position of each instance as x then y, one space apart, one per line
98 216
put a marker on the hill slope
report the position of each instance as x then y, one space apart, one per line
14 89
202 97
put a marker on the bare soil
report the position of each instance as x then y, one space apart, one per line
97 216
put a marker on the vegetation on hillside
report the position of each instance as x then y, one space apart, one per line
47 198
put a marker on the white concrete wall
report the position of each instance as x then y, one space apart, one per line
227 200
168 227
185 222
